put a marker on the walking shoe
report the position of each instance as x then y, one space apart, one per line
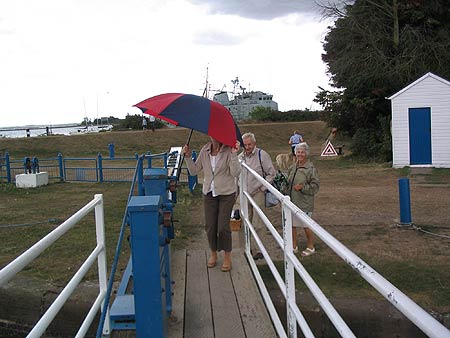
257 256
295 250
308 252
226 266
212 261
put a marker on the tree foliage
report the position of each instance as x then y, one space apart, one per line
135 122
374 49
266 114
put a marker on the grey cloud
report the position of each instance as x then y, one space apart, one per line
258 9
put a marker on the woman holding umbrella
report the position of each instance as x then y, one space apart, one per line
220 167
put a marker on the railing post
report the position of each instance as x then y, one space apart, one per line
35 165
289 274
149 159
101 260
111 150
244 208
26 161
140 168
100 168
8 167
60 164
405 201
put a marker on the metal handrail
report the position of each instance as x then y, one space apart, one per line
98 254
422 319
104 316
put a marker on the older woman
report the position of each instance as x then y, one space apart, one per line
220 167
303 184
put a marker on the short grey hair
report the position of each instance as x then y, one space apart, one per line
304 146
251 136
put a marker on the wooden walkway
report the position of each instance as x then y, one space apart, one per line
209 303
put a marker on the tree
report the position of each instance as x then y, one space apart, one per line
267 114
375 48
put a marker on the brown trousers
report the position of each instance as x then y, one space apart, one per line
217 221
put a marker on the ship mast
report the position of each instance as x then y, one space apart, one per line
205 91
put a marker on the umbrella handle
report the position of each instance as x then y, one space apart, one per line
182 157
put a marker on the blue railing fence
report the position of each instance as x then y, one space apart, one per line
90 169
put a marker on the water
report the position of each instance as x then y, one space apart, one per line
14 132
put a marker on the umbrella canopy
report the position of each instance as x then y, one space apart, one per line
194 112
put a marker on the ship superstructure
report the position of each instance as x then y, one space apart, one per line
240 105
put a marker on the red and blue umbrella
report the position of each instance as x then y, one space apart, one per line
194 112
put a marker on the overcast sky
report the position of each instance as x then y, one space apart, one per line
62 60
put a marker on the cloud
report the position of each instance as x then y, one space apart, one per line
137 49
258 9
215 37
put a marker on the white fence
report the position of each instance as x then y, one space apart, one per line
403 303
99 254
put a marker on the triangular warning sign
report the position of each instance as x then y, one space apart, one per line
329 150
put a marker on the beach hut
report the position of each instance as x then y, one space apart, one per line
421 123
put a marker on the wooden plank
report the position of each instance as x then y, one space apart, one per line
254 315
197 314
178 271
123 334
226 316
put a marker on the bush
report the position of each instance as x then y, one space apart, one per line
266 114
374 143
135 122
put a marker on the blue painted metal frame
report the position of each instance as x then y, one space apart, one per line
149 299
107 299
6 166
53 166
122 311
149 305
81 173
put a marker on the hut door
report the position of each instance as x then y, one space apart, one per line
420 135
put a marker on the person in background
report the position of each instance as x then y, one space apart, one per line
221 167
152 122
260 161
294 140
144 123
303 184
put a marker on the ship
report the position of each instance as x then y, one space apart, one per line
240 105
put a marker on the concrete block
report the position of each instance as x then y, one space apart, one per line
31 180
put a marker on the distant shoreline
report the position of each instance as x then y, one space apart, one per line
41 126
60 129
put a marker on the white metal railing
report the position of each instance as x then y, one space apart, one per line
99 254
403 303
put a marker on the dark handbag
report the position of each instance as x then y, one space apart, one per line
270 199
